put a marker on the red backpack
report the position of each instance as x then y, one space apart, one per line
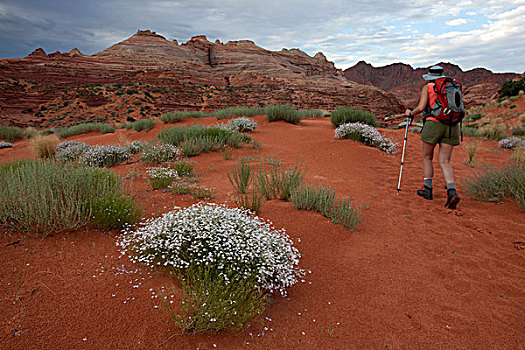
447 103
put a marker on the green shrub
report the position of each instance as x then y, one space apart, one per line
210 305
276 181
324 200
162 177
310 113
84 128
177 116
493 184
42 197
183 168
287 113
143 124
10 133
518 131
240 111
252 201
241 176
195 139
343 115
469 131
511 88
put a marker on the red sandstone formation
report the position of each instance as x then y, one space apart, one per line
405 82
197 75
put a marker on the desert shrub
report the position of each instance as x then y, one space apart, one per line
366 134
41 197
84 128
217 248
469 131
518 155
195 139
240 124
31 132
325 201
470 148
161 177
511 143
160 153
310 113
44 146
177 116
473 117
5 144
518 131
277 181
10 133
229 112
288 113
241 176
135 147
143 124
493 131
183 168
104 156
70 151
343 115
493 184
511 88
192 188
252 200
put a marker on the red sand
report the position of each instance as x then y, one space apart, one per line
413 275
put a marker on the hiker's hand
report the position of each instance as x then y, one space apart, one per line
407 112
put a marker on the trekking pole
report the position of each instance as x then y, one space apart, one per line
403 156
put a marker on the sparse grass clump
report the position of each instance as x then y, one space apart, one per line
143 124
276 181
287 113
470 131
31 132
44 146
41 197
241 176
228 261
84 128
493 131
470 148
493 184
10 133
310 113
230 112
343 115
324 200
177 116
366 134
162 177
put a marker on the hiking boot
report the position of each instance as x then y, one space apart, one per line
426 192
452 199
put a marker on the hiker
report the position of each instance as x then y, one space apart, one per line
437 129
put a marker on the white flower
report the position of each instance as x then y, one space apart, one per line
512 142
229 239
239 124
366 134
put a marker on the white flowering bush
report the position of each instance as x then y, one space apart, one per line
160 153
366 134
104 155
512 143
5 144
240 124
135 147
228 239
70 151
162 177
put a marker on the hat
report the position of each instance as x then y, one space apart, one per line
435 72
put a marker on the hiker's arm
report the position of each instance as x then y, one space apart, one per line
423 100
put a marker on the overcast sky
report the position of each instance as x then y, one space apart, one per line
470 33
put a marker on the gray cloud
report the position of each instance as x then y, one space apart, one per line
345 30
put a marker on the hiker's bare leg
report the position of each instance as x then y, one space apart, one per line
428 155
445 153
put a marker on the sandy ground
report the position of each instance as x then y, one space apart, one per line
413 275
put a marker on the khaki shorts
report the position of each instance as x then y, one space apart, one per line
436 132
